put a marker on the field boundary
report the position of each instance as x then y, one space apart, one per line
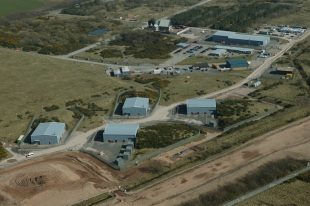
268 186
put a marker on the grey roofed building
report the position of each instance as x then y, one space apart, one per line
136 106
235 49
48 133
217 52
164 25
183 45
229 37
237 63
120 132
201 106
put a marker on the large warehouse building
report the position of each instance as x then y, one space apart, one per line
120 132
136 106
228 37
237 63
48 133
201 106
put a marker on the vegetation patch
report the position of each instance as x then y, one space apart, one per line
162 135
231 111
292 192
240 17
3 152
111 53
51 108
142 44
262 176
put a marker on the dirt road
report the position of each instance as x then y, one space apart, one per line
61 179
292 140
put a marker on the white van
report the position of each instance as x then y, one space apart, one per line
29 154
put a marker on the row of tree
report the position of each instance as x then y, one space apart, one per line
239 17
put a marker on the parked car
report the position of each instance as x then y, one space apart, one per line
29 154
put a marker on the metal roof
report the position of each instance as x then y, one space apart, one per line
138 102
234 48
121 129
164 23
182 44
218 51
50 129
234 63
234 35
201 103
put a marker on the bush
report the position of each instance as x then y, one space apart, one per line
111 53
262 176
162 135
51 108
143 44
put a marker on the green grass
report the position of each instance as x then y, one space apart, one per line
231 111
31 82
14 6
196 84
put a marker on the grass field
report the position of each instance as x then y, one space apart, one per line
31 82
191 85
14 6
231 111
294 192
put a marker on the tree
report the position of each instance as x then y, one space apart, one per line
151 23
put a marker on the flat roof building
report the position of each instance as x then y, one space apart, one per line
48 133
217 52
201 106
120 132
228 37
237 63
182 45
235 49
136 106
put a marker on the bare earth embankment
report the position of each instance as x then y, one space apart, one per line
293 141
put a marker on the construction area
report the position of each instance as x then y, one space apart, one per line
63 179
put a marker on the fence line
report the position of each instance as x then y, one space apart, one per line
268 186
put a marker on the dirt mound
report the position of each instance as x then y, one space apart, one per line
63 179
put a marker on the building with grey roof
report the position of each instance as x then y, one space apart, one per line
235 49
228 37
48 133
201 106
136 106
237 63
217 52
164 25
120 132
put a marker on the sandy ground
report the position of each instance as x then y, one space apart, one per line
293 141
62 179
168 156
